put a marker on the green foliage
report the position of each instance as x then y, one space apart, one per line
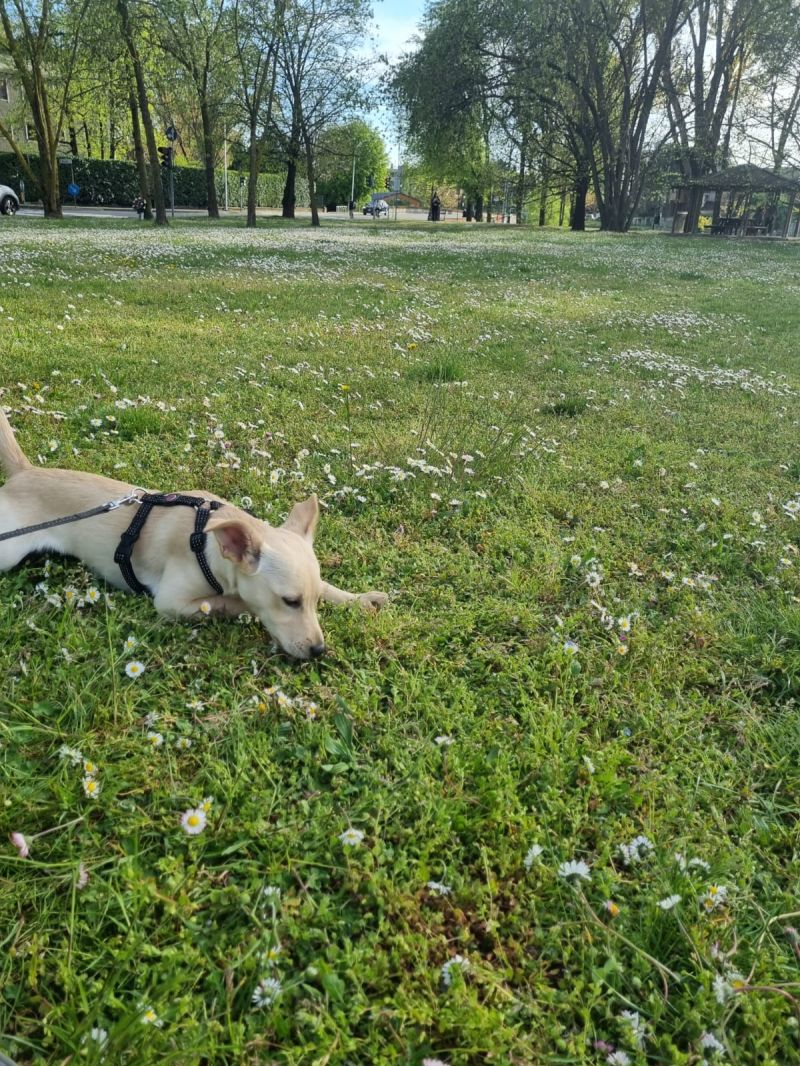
115 182
336 150
524 410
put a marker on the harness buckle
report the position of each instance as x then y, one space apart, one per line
197 542
112 505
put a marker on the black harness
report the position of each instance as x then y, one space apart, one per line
197 541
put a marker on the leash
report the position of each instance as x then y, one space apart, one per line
197 541
104 508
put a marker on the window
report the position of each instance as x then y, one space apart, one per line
4 89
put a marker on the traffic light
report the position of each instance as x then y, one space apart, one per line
166 156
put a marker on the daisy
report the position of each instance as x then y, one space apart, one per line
271 893
93 594
149 1017
82 880
194 821
21 844
351 837
205 607
134 669
637 1026
438 888
195 705
443 741
574 868
637 851
100 1036
726 986
593 579
266 992
90 768
272 953
73 754
670 902
534 851
457 962
130 643
612 908
618 1058
207 804
708 1042
575 560
570 647
91 787
716 896
183 743
155 740
433 1062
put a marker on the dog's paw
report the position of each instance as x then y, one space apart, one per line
373 600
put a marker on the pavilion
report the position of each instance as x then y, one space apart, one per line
742 183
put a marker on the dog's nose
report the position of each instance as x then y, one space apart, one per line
316 650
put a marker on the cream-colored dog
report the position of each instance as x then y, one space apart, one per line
268 572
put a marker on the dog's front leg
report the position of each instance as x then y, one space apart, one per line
221 606
367 599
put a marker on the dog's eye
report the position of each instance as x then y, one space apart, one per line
290 602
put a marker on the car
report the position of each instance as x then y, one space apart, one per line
376 208
9 201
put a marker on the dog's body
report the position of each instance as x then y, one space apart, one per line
266 571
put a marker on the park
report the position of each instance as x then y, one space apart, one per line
542 806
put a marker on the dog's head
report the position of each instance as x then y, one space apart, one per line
277 573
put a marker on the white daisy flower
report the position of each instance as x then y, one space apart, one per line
716 896
134 669
637 851
351 838
130 642
443 741
91 787
438 888
570 647
266 992
271 893
670 902
593 579
708 1042
149 1017
183 743
93 594
618 1058
457 962
575 868
99 1035
533 853
155 740
633 1019
194 821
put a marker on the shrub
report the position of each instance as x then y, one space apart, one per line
115 182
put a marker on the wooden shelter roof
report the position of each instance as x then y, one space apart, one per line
745 176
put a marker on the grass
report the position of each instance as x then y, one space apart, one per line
569 459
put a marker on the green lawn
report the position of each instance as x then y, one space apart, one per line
572 461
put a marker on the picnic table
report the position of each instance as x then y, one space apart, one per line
726 227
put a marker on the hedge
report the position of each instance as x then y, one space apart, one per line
115 182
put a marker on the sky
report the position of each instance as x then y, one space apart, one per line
396 21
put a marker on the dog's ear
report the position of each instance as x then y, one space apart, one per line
237 541
303 518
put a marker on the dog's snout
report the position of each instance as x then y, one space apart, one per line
317 650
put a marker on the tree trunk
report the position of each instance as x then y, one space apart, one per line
208 154
138 151
88 141
252 177
51 193
311 182
479 207
519 200
289 189
579 211
144 111
73 140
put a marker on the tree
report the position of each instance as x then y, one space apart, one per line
192 32
43 40
347 157
137 67
256 33
702 85
321 76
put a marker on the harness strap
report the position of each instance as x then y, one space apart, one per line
197 541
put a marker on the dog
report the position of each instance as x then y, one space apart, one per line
266 571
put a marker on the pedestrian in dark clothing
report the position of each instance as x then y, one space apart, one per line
436 208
